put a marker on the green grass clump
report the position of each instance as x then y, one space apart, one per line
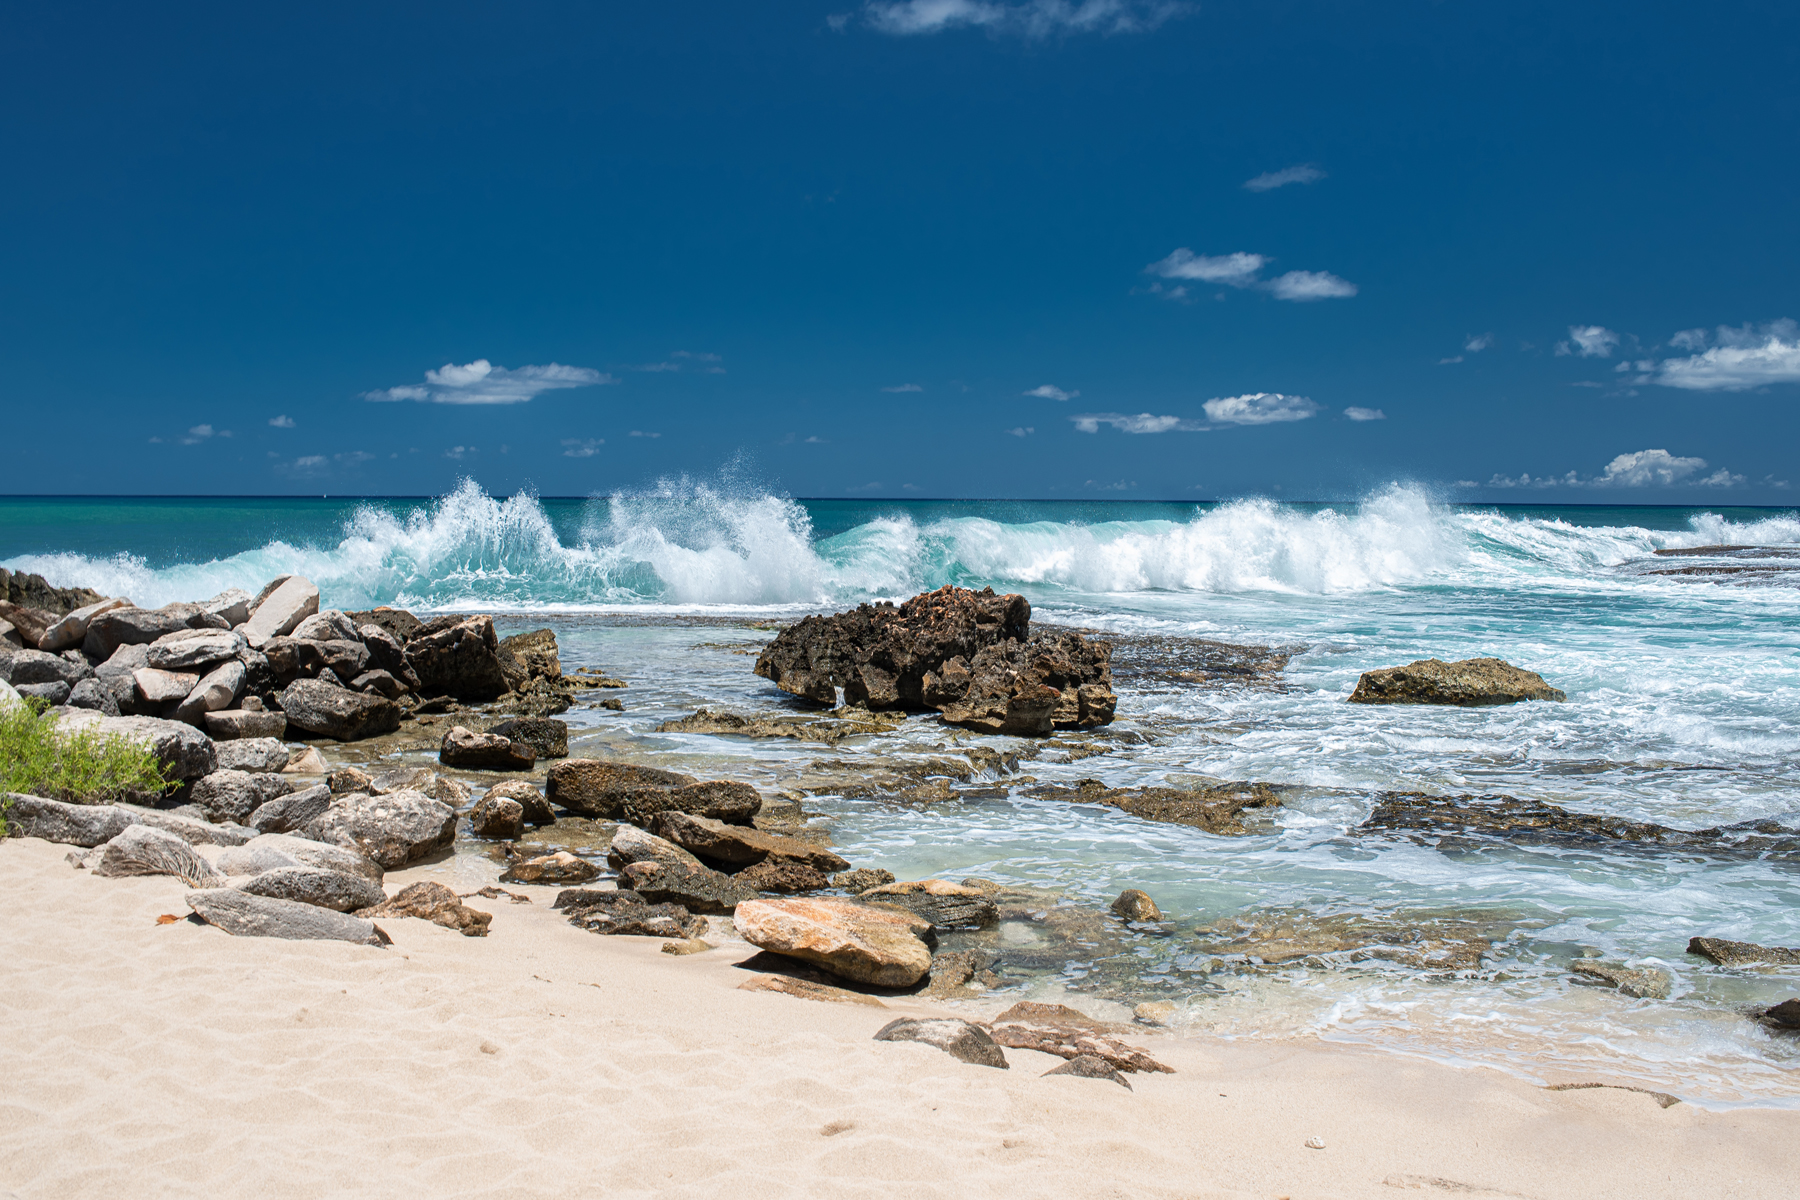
81 767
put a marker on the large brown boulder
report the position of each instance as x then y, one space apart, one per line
968 654
863 943
1471 682
738 844
591 787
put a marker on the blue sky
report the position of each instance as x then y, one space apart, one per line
1028 248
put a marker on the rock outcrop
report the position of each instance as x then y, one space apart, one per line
1472 682
968 654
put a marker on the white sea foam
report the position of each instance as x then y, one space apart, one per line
710 544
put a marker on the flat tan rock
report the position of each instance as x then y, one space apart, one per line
860 942
1471 682
805 989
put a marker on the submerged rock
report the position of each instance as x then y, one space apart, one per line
828 730
1471 682
960 1039
1133 905
1742 954
1215 809
1427 941
1649 983
967 654
1450 820
864 943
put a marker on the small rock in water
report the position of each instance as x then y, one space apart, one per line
1471 682
1648 983
1133 905
531 802
613 704
1154 1012
497 817
463 747
957 1038
1739 954
1087 1066
1785 1014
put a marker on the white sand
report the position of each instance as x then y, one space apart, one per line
146 1060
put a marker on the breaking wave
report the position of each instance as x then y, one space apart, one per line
687 544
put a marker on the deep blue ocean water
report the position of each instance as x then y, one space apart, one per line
1683 709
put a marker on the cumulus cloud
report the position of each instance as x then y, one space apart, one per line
1311 285
1020 431
904 387
1637 469
1032 19
1736 361
1259 408
644 433
679 360
1050 391
1589 341
582 447
1478 342
457 452
1270 180
1243 270
481 382
282 422
1444 362
311 462
1358 413
1237 270
1254 408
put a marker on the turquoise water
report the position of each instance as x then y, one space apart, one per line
1684 709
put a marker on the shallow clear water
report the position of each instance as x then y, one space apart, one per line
1684 709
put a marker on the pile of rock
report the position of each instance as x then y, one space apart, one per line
969 655
239 665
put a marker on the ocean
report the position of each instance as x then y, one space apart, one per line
1682 674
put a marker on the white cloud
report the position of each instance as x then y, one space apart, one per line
1589 341
1478 342
1311 285
705 363
1638 469
1238 270
1020 431
1259 408
1241 270
1050 391
1270 180
282 422
1689 339
1032 19
816 440
904 387
481 382
1358 413
1141 423
457 452
197 434
1122 485
311 462
644 433
1740 359
582 447
1444 362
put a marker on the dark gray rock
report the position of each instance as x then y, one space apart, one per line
345 659
244 915
379 681
191 827
251 754
388 653
141 850
234 795
718 800
946 905
1088 1066
546 735
625 913
53 693
293 811
28 668
128 627
459 657
274 850
323 710
93 694
336 890
698 889
959 1039
395 829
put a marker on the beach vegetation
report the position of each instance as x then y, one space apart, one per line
78 766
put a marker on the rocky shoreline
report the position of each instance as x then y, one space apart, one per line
271 842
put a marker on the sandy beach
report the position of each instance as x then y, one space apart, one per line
150 1060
